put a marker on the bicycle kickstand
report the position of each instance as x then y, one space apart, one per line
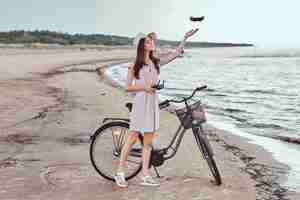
157 174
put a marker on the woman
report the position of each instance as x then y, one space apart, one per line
144 118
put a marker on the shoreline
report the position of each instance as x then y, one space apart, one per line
268 173
52 105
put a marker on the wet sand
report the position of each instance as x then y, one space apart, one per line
53 100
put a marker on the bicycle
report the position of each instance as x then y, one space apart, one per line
118 129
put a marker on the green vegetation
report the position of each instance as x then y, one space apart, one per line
50 37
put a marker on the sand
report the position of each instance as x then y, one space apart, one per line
53 100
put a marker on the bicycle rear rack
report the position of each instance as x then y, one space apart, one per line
114 119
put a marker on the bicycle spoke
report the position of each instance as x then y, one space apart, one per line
123 132
133 161
121 139
114 139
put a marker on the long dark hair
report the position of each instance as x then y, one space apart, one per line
140 59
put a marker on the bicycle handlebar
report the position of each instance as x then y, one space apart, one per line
166 102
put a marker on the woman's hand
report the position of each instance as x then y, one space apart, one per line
149 89
190 33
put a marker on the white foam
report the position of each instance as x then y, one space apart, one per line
281 152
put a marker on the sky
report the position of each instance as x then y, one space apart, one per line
259 22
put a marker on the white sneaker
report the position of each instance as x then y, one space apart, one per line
149 181
120 179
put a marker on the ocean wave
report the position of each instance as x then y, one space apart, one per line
260 91
273 55
210 90
239 119
211 107
234 110
227 110
244 118
284 138
270 91
291 110
179 89
245 102
218 95
265 126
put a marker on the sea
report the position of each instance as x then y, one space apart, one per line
253 92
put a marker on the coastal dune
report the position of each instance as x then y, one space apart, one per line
53 100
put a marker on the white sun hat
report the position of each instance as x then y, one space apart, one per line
137 39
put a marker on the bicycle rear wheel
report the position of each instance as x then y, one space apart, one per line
203 144
105 150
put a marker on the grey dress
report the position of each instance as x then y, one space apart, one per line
144 116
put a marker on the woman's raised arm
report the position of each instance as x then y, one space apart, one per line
165 59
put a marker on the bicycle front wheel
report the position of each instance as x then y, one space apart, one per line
204 147
106 147
214 169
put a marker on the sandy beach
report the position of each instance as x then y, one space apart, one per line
52 100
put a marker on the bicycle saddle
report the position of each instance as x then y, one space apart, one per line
129 106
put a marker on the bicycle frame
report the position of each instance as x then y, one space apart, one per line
201 140
200 137
176 140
